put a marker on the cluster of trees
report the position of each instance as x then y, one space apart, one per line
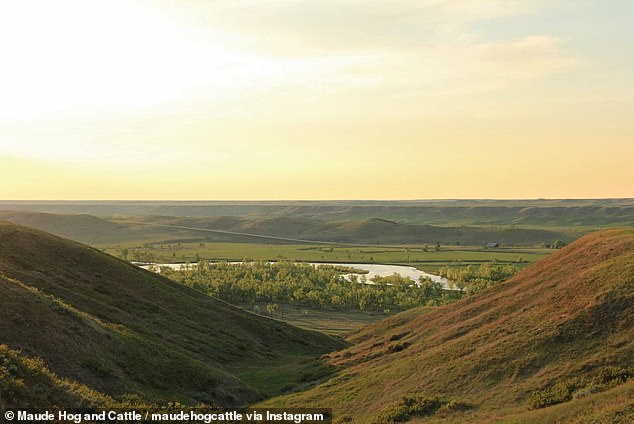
557 244
307 285
471 279
138 254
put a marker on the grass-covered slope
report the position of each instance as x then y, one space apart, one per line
27 382
81 227
120 329
561 331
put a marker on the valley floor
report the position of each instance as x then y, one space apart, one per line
423 257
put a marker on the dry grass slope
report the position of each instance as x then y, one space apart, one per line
567 317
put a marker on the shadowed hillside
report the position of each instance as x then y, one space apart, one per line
119 329
560 332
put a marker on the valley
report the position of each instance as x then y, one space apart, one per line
317 212
234 320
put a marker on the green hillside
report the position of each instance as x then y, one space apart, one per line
119 329
555 343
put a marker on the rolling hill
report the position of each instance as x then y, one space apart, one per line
368 231
119 329
99 231
82 227
473 212
555 343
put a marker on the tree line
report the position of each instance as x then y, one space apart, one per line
308 285
472 279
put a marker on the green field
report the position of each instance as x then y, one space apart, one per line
424 257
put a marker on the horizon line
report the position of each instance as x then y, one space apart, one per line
323 200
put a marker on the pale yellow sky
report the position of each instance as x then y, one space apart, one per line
155 99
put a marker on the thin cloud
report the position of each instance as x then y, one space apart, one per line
299 28
526 58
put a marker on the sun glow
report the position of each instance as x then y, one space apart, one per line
303 99
110 56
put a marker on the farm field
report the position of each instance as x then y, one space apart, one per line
424 257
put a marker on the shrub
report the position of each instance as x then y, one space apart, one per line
398 347
612 376
564 391
559 393
453 406
410 406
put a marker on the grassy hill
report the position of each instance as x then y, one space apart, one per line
368 231
82 227
561 332
536 212
119 329
99 231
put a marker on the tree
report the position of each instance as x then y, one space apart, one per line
271 308
558 244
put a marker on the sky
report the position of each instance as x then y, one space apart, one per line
304 99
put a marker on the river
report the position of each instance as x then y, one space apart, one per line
373 270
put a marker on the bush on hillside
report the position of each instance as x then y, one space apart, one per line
564 391
410 406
